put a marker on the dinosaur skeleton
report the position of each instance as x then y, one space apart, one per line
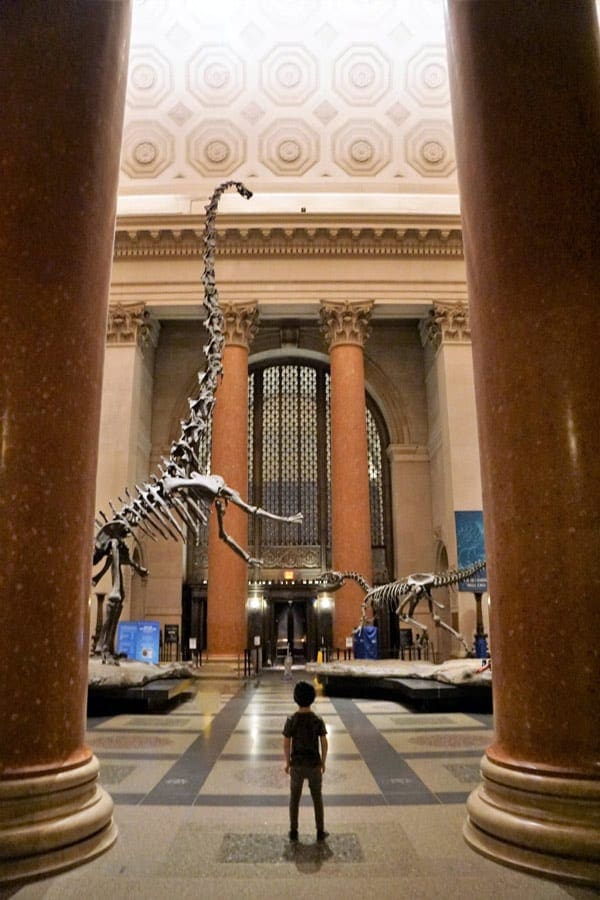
403 596
179 497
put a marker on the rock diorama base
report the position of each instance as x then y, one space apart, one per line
136 686
457 684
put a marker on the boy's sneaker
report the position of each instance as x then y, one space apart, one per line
293 834
322 835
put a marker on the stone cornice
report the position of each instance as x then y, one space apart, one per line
241 324
325 236
131 324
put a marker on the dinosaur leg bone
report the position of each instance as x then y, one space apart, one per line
439 623
220 507
106 639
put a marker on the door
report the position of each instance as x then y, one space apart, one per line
290 629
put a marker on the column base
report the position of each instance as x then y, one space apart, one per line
545 825
53 822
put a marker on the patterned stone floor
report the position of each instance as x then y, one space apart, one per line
201 804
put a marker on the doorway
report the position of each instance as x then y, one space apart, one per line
290 629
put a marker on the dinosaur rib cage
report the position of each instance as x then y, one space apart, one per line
388 596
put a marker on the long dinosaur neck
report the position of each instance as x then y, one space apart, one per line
184 452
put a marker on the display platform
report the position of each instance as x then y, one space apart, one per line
136 687
455 685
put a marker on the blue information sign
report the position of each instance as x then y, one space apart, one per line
139 640
471 547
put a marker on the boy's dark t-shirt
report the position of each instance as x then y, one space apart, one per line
305 729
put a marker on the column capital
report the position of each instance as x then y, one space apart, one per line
131 324
345 322
241 324
447 322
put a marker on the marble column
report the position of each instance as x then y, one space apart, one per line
227 572
62 103
345 326
125 419
526 127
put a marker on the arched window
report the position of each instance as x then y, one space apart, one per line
289 466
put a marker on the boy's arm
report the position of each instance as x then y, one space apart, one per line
324 748
287 746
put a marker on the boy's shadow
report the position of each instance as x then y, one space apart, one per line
308 857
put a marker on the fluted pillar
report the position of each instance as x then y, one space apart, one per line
62 109
227 572
345 326
526 127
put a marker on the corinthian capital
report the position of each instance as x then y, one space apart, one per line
241 323
448 321
346 323
131 323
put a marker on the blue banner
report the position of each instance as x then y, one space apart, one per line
139 640
470 542
365 642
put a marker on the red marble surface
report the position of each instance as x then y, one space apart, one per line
227 572
61 95
527 147
350 510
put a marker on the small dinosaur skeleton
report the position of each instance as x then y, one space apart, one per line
179 497
403 596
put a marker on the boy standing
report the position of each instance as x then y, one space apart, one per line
302 734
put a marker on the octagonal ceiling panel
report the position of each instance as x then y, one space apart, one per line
309 95
361 75
288 75
150 77
215 75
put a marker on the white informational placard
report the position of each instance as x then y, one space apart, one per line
257 640
193 643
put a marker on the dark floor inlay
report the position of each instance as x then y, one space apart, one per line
111 774
275 848
463 772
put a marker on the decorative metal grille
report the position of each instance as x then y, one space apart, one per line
375 457
197 552
289 453
328 456
251 486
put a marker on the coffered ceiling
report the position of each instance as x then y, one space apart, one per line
346 101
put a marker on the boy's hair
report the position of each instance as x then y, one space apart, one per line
304 693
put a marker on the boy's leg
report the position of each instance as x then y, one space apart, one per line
315 782
296 782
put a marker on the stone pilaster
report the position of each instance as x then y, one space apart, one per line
346 328
57 236
131 324
227 572
131 339
453 445
447 322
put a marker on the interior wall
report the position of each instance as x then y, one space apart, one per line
399 376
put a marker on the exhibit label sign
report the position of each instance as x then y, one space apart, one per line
139 640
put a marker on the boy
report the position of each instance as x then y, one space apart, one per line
302 734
